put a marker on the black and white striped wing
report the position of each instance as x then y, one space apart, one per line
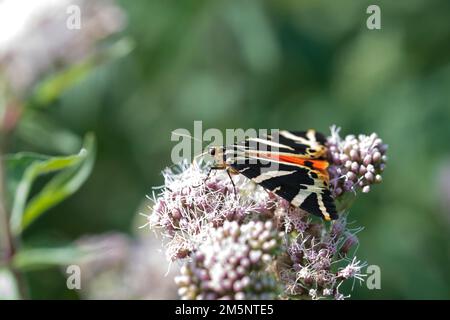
300 183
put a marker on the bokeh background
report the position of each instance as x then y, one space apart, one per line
137 70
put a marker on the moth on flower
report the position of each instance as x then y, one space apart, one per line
291 164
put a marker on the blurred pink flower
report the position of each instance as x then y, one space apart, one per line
35 39
116 266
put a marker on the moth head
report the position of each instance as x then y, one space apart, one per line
218 153
212 151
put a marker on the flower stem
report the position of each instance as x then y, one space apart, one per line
7 242
6 245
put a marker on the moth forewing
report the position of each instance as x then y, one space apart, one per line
291 164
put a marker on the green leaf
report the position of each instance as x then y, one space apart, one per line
44 133
41 258
56 84
24 168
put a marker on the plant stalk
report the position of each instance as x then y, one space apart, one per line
7 242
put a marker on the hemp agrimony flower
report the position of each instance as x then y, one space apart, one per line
356 161
236 240
232 263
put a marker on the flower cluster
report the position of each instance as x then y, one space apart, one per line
235 240
232 263
309 266
190 205
356 162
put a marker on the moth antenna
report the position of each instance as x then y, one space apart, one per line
192 138
187 136
198 156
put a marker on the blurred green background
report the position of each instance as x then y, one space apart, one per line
267 64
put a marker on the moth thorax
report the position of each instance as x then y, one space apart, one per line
316 150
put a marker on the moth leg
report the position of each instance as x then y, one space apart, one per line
208 174
232 182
